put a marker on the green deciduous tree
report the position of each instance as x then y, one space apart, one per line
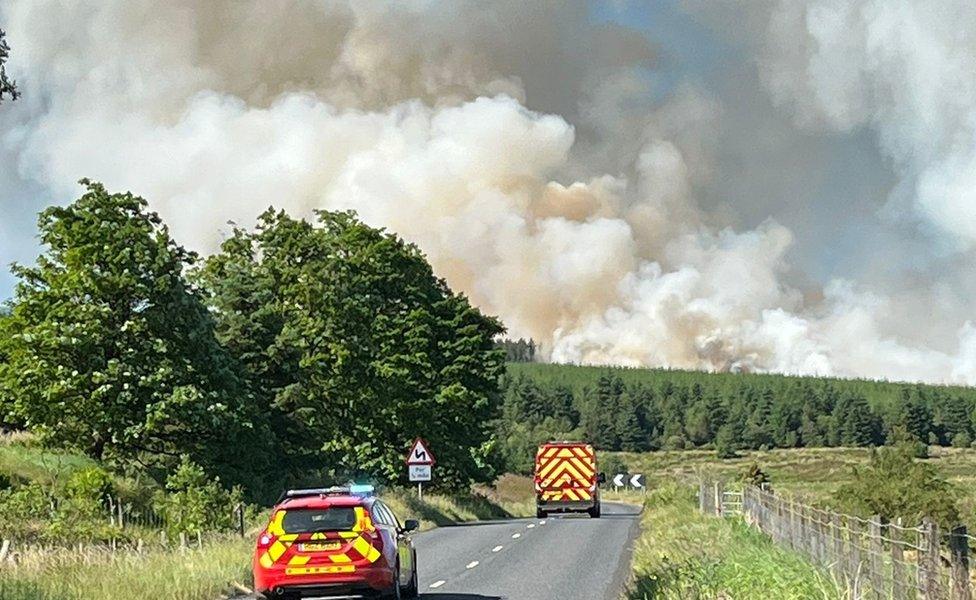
8 87
356 348
109 350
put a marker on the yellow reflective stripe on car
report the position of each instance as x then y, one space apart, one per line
320 570
340 558
274 527
299 560
366 549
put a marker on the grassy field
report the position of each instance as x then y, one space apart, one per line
810 474
684 555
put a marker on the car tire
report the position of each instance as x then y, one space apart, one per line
540 514
412 590
394 593
594 512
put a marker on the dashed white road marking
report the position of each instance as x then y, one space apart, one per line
472 564
529 526
516 536
497 548
542 522
438 583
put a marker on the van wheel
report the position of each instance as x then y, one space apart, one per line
594 512
540 514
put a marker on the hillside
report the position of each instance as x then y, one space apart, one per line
651 409
877 393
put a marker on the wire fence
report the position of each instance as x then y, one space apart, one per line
873 558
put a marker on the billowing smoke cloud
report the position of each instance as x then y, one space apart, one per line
515 144
907 70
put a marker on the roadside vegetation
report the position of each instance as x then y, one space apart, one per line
684 555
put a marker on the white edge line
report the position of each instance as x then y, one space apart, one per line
438 583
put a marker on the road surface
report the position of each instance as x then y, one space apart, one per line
558 558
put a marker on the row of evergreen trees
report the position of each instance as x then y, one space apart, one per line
638 417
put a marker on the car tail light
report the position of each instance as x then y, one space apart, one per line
376 539
265 540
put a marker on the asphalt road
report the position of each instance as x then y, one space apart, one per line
558 558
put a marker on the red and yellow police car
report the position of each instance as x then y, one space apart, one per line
335 541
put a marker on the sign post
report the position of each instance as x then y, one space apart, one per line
420 461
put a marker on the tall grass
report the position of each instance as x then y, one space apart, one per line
192 574
684 555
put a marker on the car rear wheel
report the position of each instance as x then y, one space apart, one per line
394 593
595 512
540 514
412 590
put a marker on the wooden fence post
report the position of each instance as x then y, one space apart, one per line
876 548
701 496
899 583
839 554
718 498
959 558
240 519
929 561
854 557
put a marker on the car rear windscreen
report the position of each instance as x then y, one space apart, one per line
308 520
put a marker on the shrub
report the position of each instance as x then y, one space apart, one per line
961 440
754 475
895 485
193 503
675 442
610 465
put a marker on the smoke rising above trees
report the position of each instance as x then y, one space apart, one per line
524 149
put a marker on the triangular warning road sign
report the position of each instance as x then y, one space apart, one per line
420 454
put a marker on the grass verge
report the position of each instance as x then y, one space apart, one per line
684 555
68 575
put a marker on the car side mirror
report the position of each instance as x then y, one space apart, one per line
601 478
411 525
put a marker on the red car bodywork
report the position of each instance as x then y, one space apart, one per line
364 557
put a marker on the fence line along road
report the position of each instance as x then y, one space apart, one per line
873 558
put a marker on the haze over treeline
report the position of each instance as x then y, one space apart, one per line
787 187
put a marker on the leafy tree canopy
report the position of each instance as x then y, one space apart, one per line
356 348
108 350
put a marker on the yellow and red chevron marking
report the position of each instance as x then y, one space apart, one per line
359 549
565 472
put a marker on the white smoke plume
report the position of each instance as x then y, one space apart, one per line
528 169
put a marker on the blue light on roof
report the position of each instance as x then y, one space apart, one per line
361 488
